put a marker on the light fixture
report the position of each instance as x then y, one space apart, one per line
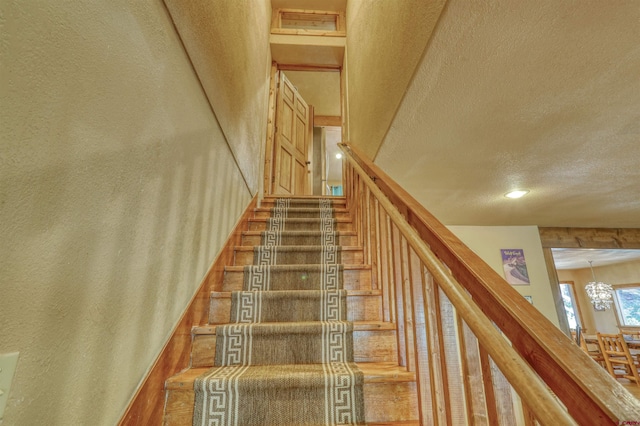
516 194
601 294
338 156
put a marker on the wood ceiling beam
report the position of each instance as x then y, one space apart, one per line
602 238
327 120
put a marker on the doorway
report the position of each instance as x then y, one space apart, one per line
320 89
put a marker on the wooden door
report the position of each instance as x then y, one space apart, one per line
292 141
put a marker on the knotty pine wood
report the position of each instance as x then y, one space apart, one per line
270 152
438 367
243 255
373 342
604 238
327 120
354 277
261 225
590 395
254 238
472 375
487 383
421 350
362 305
146 407
385 269
455 390
305 67
396 268
407 305
389 395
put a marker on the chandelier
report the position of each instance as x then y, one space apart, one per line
601 294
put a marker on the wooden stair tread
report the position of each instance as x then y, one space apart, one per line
357 325
227 294
355 266
344 248
259 233
374 372
336 219
268 209
305 197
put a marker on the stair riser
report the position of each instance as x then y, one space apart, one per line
353 279
368 346
263 214
245 257
359 308
383 402
261 225
256 240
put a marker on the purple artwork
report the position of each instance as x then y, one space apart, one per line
515 267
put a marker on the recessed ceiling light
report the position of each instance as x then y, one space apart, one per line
338 156
516 194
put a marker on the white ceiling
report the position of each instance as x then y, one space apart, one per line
579 258
542 95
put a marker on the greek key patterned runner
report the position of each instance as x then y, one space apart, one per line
288 344
293 277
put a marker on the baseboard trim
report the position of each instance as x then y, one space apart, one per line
147 405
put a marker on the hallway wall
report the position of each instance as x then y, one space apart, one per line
228 43
385 41
117 190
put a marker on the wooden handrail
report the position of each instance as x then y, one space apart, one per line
481 296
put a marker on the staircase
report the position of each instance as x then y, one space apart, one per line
287 265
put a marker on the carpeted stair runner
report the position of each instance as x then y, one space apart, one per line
292 277
286 358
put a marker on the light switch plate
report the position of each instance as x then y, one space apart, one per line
8 363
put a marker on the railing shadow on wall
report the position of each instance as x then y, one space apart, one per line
481 353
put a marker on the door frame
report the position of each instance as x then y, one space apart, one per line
270 151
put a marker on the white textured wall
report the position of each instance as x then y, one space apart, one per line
486 242
385 41
117 190
228 43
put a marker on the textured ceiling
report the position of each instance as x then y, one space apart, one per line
579 258
540 95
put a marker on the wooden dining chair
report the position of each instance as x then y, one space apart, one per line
617 357
594 353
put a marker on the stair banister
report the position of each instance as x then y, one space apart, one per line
482 298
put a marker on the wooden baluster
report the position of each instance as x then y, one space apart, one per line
487 383
367 226
389 274
452 360
498 392
373 239
472 375
423 374
377 241
529 418
437 365
407 305
396 285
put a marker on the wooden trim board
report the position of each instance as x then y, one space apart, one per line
612 238
327 120
147 405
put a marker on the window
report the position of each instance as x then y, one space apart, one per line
627 298
570 302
